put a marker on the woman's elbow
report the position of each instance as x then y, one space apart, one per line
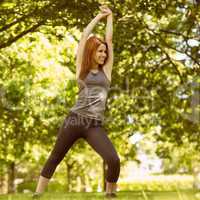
85 33
108 40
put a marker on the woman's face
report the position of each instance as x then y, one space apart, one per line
100 54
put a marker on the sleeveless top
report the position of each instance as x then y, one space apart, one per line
92 95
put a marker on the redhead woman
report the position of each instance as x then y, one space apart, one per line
94 61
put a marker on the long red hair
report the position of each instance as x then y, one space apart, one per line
91 46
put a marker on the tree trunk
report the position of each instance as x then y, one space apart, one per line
104 176
83 184
68 177
69 168
3 187
196 176
11 177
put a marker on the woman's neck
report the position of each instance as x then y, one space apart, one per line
94 67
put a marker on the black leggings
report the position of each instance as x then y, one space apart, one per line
75 127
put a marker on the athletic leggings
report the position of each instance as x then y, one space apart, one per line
75 127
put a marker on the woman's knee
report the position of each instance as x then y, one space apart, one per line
55 159
114 160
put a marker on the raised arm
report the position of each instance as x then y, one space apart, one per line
108 38
82 42
109 28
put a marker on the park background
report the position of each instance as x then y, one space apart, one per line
153 107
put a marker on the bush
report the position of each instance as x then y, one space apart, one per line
147 183
158 183
54 186
26 186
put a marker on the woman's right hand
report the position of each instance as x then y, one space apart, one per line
104 12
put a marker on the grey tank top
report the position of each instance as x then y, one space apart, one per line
92 95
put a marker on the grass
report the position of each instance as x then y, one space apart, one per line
129 195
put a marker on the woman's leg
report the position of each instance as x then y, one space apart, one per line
98 139
68 133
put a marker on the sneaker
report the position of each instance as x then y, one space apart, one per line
110 195
36 195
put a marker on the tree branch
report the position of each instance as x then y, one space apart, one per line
9 42
169 46
174 65
43 9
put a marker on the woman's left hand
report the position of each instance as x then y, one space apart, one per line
105 9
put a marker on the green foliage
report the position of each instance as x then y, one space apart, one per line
26 186
149 80
159 183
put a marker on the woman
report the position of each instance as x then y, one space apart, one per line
94 62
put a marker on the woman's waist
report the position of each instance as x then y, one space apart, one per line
84 119
82 113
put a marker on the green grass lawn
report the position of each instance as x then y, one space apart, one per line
135 195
